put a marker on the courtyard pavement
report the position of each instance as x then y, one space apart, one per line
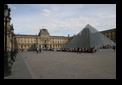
19 69
65 65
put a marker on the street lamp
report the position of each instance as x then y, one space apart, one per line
12 32
12 42
37 48
15 43
7 70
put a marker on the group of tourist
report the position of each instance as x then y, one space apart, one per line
80 50
108 46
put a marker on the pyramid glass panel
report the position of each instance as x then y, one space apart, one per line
89 37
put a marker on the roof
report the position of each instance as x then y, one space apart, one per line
114 29
23 35
59 36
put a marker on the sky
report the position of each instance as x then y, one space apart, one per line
61 19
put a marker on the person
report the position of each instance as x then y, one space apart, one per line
114 48
78 50
15 52
12 55
37 50
40 49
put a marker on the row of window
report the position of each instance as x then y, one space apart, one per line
110 33
59 41
26 38
25 41
33 39
41 42
111 37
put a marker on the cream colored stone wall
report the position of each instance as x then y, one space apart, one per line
111 34
45 41
28 42
9 35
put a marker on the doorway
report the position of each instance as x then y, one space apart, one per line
45 46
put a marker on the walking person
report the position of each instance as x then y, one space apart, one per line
40 50
78 50
12 55
114 48
37 50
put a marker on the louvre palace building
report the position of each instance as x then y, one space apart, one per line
46 41
43 40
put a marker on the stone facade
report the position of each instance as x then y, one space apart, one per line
9 29
43 40
111 34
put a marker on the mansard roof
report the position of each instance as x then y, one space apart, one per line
43 31
59 36
24 35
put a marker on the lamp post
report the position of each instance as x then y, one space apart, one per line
12 42
37 48
7 70
12 32
15 44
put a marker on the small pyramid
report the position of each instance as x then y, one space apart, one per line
89 37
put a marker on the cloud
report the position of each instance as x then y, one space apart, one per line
56 25
63 19
46 12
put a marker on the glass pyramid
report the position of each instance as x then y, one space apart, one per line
89 37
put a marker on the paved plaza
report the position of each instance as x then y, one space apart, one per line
67 65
